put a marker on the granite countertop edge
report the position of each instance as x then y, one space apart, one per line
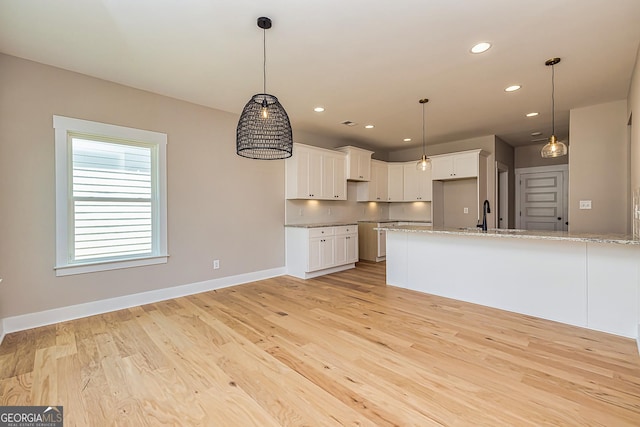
322 224
384 221
520 234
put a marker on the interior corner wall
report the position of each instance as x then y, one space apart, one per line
220 206
633 109
505 154
598 168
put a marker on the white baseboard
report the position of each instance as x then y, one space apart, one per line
63 314
638 338
318 273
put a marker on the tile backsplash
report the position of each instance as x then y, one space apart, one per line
328 211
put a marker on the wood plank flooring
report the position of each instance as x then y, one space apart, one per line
342 349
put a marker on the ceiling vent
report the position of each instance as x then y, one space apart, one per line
348 123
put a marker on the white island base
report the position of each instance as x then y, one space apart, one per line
587 283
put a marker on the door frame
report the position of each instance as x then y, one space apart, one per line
543 169
502 195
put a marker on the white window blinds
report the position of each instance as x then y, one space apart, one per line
111 192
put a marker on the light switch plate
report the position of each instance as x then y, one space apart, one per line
585 204
466 210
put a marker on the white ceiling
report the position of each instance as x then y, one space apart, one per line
363 60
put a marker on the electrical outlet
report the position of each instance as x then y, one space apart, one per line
466 210
300 212
585 204
329 211
216 264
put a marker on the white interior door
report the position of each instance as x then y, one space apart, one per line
542 201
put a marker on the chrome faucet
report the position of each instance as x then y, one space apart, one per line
485 210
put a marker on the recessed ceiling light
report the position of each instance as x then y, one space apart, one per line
536 133
532 114
512 88
369 127
407 140
318 109
481 47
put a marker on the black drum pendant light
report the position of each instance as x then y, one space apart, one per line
553 148
264 130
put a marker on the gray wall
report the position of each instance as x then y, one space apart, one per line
505 155
599 169
220 205
633 108
529 157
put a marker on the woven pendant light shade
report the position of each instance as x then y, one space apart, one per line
264 131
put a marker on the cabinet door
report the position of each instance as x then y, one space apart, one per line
352 248
396 182
417 184
328 251
364 166
339 177
315 254
315 175
327 192
410 179
297 169
379 174
465 165
341 250
442 168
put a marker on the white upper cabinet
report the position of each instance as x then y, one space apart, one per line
417 184
376 190
315 173
455 165
334 183
395 181
358 163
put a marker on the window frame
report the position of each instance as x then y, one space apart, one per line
65 128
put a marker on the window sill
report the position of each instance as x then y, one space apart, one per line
71 269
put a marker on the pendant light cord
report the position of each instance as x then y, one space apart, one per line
553 100
424 149
264 60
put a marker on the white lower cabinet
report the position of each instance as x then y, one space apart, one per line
315 251
346 249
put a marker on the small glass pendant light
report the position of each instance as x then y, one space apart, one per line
553 148
424 162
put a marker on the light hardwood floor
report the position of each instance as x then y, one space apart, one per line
342 349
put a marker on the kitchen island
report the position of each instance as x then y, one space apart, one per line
584 280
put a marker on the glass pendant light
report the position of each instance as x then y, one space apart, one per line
264 131
424 162
553 148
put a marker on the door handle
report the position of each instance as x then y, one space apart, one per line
559 219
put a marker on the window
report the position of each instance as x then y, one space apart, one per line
110 196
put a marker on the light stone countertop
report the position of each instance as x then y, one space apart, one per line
519 234
322 224
383 221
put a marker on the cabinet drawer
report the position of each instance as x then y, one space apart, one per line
346 229
322 231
